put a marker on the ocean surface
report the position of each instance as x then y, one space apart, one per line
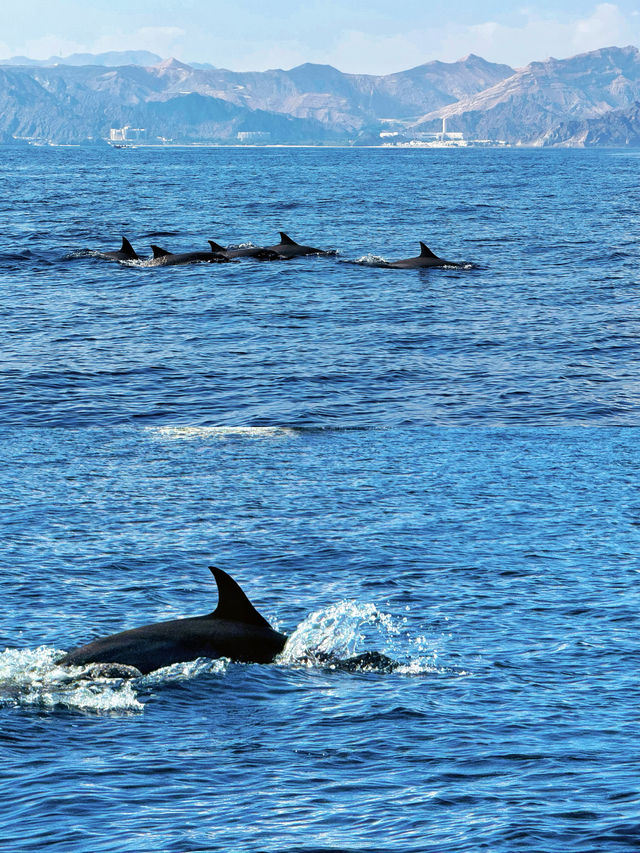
438 465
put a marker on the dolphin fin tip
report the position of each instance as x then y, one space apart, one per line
233 604
284 238
425 251
128 249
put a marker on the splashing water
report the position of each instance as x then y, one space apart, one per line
348 629
336 630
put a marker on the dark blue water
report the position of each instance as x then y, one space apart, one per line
438 465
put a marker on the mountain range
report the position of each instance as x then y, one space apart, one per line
589 99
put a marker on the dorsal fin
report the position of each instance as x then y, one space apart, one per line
128 249
284 238
425 252
216 247
233 604
158 252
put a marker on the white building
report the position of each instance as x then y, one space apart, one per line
127 134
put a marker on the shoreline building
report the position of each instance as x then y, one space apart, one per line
432 139
127 134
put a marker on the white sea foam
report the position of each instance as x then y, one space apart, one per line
185 671
221 432
371 260
83 253
30 677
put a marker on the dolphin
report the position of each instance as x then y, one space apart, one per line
125 253
258 252
163 258
288 248
233 630
426 258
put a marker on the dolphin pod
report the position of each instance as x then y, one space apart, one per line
234 630
284 250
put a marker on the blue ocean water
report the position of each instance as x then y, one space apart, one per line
440 465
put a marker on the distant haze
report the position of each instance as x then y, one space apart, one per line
376 37
112 59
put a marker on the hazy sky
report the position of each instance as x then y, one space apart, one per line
369 36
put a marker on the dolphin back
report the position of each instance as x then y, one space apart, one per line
234 630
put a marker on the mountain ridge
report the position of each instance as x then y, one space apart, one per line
543 103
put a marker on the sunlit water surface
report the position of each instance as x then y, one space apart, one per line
440 466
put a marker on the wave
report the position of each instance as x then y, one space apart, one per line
86 253
178 433
7 257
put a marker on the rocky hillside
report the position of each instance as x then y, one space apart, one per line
529 106
347 100
73 105
618 128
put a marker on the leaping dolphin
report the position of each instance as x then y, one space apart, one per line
426 258
125 253
258 252
288 248
163 258
233 630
